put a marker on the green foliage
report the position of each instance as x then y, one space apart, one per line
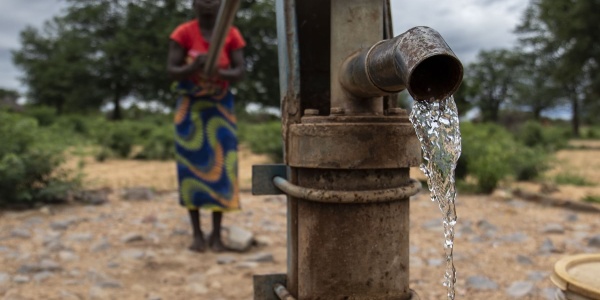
263 138
45 115
571 179
592 198
159 145
491 154
549 138
29 162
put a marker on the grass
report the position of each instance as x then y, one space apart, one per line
572 179
592 199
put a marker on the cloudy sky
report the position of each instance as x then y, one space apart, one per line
467 25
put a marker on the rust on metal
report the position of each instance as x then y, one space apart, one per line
411 188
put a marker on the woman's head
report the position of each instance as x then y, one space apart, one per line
206 7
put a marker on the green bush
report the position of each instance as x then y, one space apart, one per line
159 145
549 138
571 179
263 138
30 160
114 138
490 154
44 115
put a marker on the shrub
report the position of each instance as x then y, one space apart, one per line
263 138
29 162
115 138
159 145
549 138
44 115
571 179
592 198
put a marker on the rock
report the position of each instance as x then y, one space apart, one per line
238 238
80 237
435 262
548 247
42 276
101 245
109 284
554 228
112 265
262 241
21 279
501 194
485 225
132 237
198 289
433 224
132 254
260 257
92 197
46 210
67 256
97 293
415 261
4 278
34 221
63 224
154 297
517 237
548 188
572 217
179 231
138 193
594 241
149 219
537 275
225 259
44 265
481 283
246 265
64 295
548 293
520 289
524 260
20 233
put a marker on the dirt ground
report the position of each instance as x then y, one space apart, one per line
138 249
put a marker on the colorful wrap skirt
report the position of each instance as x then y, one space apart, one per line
206 149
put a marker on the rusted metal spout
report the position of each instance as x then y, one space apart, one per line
418 60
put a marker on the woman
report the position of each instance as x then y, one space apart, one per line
206 142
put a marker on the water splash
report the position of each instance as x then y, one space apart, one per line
436 125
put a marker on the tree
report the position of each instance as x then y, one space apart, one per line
490 81
567 30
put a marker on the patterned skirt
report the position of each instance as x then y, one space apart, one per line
206 152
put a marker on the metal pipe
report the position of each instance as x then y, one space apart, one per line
282 292
225 18
329 196
418 60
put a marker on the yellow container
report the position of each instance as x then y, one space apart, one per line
578 277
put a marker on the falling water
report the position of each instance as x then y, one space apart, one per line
436 125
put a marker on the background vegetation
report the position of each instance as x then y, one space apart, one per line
89 87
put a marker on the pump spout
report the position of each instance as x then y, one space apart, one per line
418 60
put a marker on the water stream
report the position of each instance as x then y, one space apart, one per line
436 125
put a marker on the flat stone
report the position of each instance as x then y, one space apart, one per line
260 257
62 224
548 293
481 283
154 297
238 238
246 265
21 279
520 289
97 293
67 256
138 194
415 261
180 231
485 225
132 237
572 217
433 224
435 262
64 295
42 276
20 233
80 237
109 284
4 278
553 228
517 237
132 254
263 241
44 265
594 241
524 260
34 221
225 259
198 289
537 275
100 246
549 247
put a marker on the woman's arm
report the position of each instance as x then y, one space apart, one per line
176 66
238 67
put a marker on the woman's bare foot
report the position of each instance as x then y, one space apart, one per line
216 244
198 245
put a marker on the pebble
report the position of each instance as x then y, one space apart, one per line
548 247
101 245
415 261
109 284
20 233
520 289
67 256
132 254
154 297
42 276
485 225
44 265
132 237
179 231
594 241
553 228
481 283
198 289
517 237
4 278
435 262
572 217
62 224
548 293
138 193
263 241
21 279
225 259
260 257
80 237
97 293
246 265
433 224
537 275
524 260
